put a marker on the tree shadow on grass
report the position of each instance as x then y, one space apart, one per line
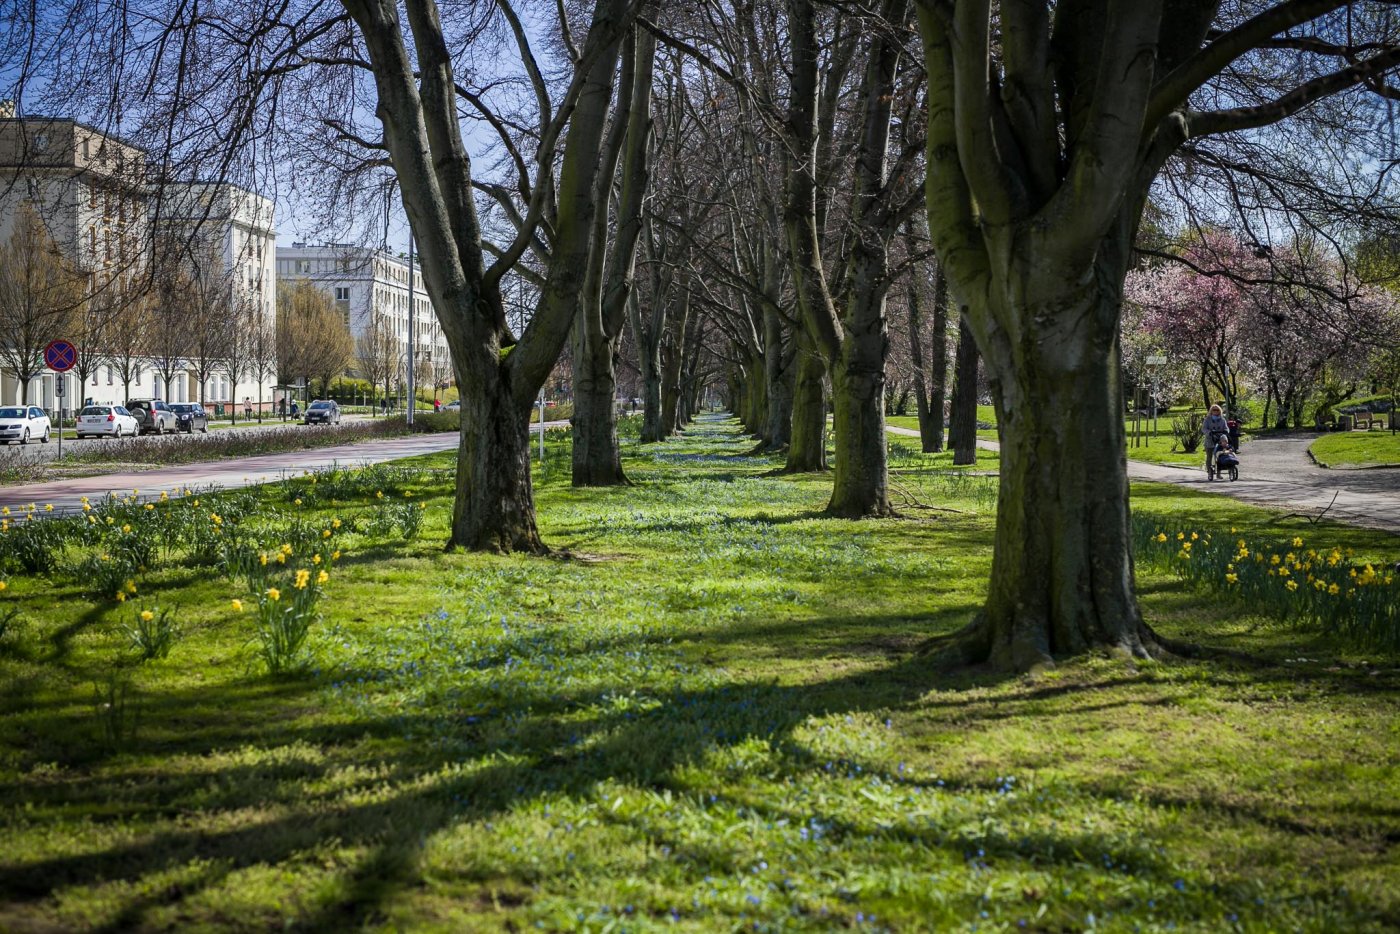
532 746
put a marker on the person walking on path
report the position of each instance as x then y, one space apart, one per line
1215 423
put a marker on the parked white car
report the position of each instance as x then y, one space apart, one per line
106 421
22 423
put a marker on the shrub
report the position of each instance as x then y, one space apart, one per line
1186 430
154 633
437 421
31 545
106 575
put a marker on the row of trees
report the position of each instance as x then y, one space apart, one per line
733 188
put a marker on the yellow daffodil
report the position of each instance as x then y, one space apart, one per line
322 577
262 559
286 548
335 555
3 585
378 494
131 586
335 523
302 577
237 606
147 616
274 594
1334 590
126 528
1180 536
325 533
1232 578
1161 536
1274 560
296 502
150 506
1297 543
281 557
1194 537
1291 585
315 559
121 597
48 507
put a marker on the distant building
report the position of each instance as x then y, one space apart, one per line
92 192
372 285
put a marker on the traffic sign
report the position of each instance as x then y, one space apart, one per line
58 387
60 356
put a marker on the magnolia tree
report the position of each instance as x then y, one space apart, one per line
1196 310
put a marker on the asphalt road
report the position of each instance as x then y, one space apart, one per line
34 452
67 495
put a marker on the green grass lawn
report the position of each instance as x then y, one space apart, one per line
1356 449
1157 447
708 711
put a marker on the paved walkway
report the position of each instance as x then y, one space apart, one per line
1278 473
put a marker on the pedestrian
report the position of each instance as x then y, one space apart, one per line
294 408
437 405
1213 427
247 406
282 407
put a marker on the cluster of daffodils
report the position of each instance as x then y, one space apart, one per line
1285 579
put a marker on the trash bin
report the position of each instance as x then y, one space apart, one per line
1344 423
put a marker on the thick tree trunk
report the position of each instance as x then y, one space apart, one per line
597 458
860 482
494 509
807 450
777 375
962 423
1062 575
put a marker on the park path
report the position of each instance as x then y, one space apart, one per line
1279 473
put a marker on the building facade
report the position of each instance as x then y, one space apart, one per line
91 192
370 286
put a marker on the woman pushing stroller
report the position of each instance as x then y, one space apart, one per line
1217 437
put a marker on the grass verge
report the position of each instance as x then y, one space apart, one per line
1357 449
708 711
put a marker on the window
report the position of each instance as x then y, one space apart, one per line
304 265
138 376
92 197
109 376
342 293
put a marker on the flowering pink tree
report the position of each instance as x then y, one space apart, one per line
1197 309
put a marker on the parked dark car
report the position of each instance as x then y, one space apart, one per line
153 416
191 417
323 412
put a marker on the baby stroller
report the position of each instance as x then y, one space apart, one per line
1225 461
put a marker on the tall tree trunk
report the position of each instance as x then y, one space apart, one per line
495 508
931 391
1062 575
860 481
962 423
807 450
778 365
597 458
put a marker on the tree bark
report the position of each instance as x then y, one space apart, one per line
807 450
777 374
597 458
930 390
495 508
962 423
1062 574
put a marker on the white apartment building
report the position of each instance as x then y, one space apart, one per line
90 190
369 285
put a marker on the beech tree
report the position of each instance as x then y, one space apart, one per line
1047 126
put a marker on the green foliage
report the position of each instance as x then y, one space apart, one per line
1319 586
437 421
1186 430
30 545
153 633
116 711
284 618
